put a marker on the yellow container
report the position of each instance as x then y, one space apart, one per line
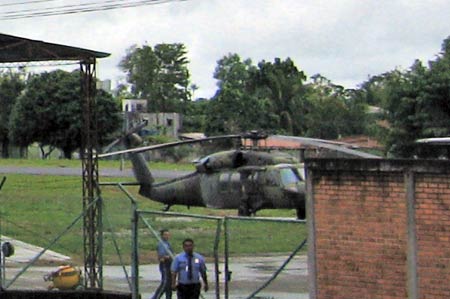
67 277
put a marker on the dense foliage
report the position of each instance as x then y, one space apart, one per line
274 96
160 75
415 103
333 111
49 112
11 85
397 107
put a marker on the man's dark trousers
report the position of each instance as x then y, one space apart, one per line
166 281
188 291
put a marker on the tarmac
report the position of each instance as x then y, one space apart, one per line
24 252
248 274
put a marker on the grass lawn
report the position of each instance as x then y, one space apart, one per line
36 209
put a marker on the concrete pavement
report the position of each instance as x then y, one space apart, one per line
24 252
249 273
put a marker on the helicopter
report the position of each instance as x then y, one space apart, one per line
244 179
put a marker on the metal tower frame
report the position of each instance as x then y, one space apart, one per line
19 50
92 224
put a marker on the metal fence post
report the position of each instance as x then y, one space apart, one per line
227 274
216 257
2 257
134 252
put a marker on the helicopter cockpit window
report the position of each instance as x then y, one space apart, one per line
223 182
301 173
254 177
235 180
229 181
288 176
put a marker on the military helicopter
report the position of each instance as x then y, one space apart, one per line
246 180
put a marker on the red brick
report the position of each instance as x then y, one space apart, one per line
361 235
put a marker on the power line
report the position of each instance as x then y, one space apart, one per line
22 3
79 8
99 5
67 6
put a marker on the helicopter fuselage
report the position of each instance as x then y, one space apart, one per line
247 189
247 179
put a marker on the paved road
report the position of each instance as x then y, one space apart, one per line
249 273
108 172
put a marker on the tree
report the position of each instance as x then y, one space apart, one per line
160 75
194 120
417 105
49 112
11 85
434 99
403 111
269 96
235 107
282 84
333 111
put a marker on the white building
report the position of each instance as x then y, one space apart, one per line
134 105
163 123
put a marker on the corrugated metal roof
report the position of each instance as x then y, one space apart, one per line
19 49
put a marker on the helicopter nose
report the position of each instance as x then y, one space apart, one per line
291 189
296 193
294 188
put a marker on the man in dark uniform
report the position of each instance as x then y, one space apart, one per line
188 267
165 254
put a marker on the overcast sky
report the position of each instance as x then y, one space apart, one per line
344 40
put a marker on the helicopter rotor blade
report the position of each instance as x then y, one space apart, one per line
166 145
328 145
127 133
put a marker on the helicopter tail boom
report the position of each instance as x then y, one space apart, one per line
140 169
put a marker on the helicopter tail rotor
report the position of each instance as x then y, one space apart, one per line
132 130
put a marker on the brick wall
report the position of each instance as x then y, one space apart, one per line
433 234
379 228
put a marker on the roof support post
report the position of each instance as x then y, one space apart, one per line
92 224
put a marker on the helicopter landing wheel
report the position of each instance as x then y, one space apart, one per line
244 211
301 213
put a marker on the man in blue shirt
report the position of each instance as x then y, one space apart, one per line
165 255
189 267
